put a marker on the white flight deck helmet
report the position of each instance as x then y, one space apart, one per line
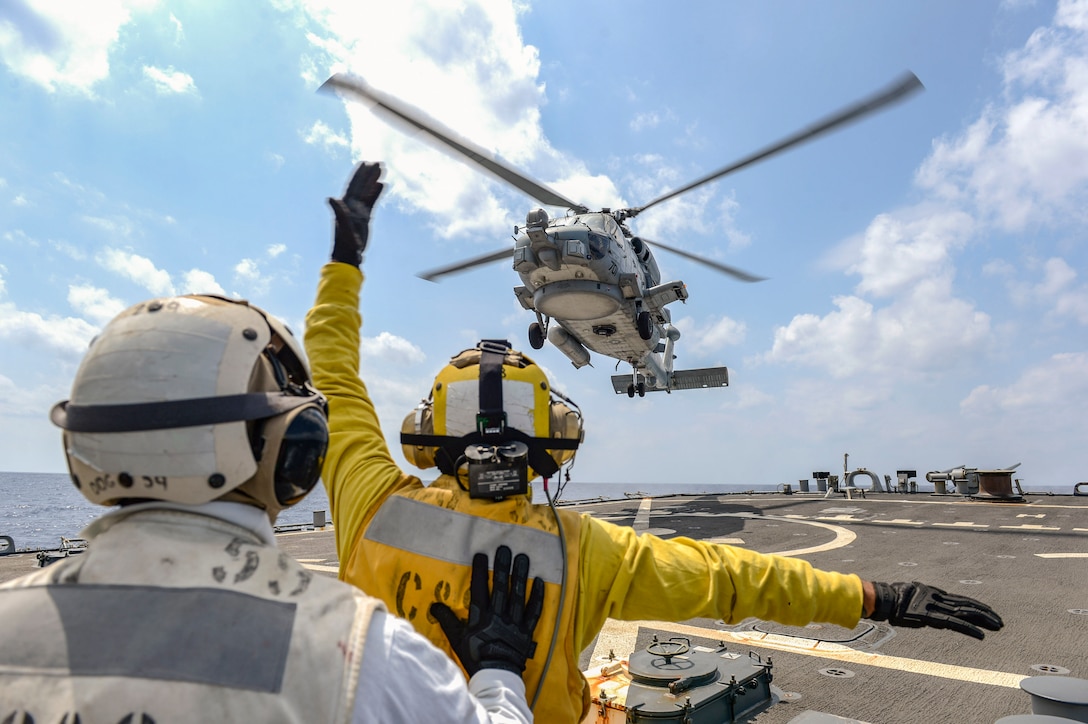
191 399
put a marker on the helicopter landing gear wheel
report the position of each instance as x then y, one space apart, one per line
630 390
641 389
536 335
645 325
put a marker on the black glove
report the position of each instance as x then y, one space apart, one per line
353 213
499 630
915 605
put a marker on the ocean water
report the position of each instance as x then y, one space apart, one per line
37 509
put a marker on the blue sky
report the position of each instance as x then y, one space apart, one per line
926 304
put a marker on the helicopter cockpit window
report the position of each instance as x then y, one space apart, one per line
598 245
596 222
612 227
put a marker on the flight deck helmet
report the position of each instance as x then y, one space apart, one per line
490 405
191 399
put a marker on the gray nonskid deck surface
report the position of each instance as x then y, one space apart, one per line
1012 556
992 551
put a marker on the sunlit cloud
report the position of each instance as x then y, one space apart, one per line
67 336
319 134
391 348
64 45
138 269
168 81
94 303
198 281
1060 382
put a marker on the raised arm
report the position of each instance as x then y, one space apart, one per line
359 471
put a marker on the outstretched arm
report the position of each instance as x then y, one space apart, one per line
630 577
641 577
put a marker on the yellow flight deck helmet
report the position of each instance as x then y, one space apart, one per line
492 409
191 399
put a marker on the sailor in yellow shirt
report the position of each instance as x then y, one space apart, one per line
493 423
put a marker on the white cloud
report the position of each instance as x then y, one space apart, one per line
275 250
1058 383
746 397
70 250
249 275
1023 162
65 335
899 250
648 119
138 269
698 211
169 81
63 45
117 227
319 134
391 349
179 31
1056 290
711 336
198 281
465 64
94 302
1026 161
925 329
18 236
20 200
247 269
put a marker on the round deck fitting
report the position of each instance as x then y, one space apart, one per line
1058 696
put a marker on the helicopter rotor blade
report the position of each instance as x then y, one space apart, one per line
732 271
403 113
434 274
897 91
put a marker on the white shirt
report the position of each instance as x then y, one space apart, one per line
403 677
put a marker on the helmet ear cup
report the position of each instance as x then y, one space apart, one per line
564 424
420 421
301 455
292 449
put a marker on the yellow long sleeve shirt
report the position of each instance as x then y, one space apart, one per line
612 572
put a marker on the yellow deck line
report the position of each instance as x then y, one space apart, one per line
618 634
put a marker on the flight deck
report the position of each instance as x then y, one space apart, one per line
1026 559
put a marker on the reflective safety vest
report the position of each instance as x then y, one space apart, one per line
172 616
418 548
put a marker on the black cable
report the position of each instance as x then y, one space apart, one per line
562 595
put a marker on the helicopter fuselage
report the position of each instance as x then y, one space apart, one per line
588 275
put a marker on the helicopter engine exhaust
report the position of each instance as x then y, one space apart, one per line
656 375
568 345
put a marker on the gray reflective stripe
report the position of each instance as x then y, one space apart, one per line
198 635
453 537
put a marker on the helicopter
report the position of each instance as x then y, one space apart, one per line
591 282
